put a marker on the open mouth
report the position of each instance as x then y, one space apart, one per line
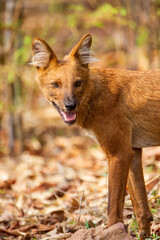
68 117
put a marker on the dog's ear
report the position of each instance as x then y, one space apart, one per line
42 53
82 51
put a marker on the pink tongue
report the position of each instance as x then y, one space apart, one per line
69 116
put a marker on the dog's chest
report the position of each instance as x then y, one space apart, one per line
91 135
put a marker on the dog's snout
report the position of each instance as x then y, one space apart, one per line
70 106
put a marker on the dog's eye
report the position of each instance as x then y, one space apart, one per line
55 85
78 83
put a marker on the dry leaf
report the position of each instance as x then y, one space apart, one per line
6 216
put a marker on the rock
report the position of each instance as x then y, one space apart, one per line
115 232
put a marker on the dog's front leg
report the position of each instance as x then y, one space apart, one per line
115 139
118 168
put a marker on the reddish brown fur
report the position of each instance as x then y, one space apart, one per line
122 109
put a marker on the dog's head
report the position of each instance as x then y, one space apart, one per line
63 82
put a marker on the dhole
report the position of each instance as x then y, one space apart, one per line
121 108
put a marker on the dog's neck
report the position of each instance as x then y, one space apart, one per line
86 111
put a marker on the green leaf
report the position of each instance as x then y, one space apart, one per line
108 8
56 7
99 24
72 20
104 174
150 169
27 40
154 193
1 106
158 12
142 36
154 210
77 8
87 224
123 12
22 54
10 76
72 222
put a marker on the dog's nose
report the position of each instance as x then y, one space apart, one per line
70 106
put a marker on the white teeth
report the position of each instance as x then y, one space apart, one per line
64 116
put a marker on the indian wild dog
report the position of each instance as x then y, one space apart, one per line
121 108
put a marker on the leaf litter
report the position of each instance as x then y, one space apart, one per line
59 183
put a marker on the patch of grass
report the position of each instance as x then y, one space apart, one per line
133 226
155 202
153 237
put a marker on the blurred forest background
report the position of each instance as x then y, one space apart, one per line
125 35
34 143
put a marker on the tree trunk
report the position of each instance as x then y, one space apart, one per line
13 10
